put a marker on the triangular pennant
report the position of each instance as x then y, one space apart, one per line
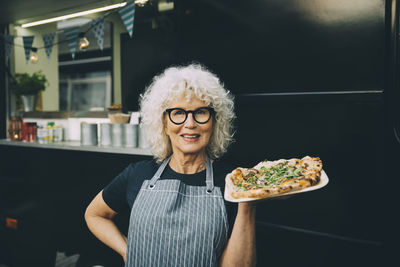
8 43
97 26
71 34
127 14
48 40
28 41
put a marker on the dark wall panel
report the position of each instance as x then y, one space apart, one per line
345 131
48 191
263 46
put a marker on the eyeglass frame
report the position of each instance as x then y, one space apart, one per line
210 109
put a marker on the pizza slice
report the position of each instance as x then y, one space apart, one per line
270 178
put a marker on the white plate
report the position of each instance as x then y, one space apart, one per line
323 182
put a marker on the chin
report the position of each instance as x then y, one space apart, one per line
192 150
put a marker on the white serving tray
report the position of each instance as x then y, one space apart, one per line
323 182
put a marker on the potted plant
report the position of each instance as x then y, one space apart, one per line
28 86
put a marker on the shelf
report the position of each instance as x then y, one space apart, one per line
76 145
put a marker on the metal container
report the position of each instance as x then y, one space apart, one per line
105 134
131 135
142 137
29 102
88 134
117 134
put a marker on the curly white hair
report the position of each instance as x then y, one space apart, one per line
190 81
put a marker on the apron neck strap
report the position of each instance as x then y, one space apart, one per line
209 174
158 173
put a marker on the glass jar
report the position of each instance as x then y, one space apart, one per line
15 128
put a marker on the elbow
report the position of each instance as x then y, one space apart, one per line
86 215
89 213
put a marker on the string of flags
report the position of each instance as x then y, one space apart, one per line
71 35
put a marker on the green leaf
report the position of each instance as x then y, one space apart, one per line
27 84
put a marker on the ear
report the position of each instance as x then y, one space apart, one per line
165 127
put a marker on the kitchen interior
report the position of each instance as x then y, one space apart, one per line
309 77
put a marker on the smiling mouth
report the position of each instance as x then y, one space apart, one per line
191 137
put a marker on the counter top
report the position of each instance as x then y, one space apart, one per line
76 145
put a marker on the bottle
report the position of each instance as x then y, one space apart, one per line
24 131
32 132
58 133
50 128
42 134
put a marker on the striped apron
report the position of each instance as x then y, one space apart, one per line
174 224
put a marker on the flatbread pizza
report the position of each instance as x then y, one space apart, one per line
271 178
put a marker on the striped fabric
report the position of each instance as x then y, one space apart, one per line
174 224
71 34
127 14
28 41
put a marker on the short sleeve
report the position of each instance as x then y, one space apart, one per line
114 194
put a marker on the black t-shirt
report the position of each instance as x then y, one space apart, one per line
121 193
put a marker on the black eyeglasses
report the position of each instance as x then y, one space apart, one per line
200 115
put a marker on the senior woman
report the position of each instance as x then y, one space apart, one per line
178 214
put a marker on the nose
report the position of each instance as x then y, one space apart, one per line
190 122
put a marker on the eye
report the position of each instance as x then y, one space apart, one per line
178 112
201 111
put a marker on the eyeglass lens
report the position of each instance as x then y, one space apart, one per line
201 115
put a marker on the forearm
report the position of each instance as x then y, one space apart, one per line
241 247
107 232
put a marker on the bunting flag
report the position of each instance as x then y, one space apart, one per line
127 14
28 41
71 34
48 40
97 26
8 43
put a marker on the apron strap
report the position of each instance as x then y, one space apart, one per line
157 175
209 174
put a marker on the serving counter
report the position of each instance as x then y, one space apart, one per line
46 188
76 145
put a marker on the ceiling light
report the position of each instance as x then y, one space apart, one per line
34 56
75 22
141 2
83 41
74 15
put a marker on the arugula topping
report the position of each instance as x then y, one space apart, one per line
275 175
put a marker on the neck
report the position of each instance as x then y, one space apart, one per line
188 164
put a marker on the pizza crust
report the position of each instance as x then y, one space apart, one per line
260 192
